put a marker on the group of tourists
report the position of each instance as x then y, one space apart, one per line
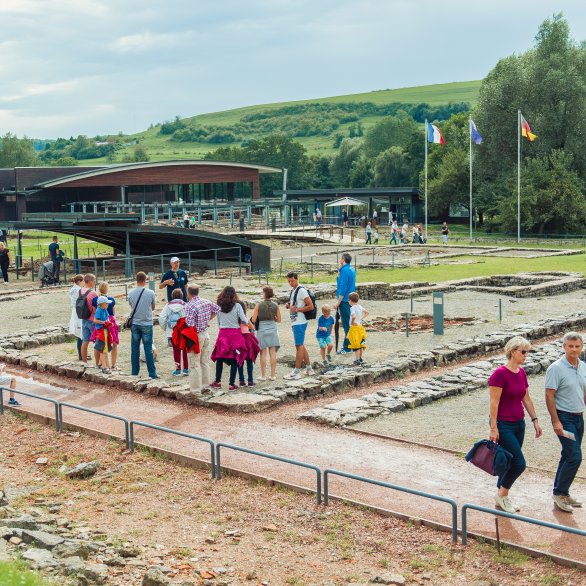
565 386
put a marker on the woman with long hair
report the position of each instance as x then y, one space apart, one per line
230 345
103 289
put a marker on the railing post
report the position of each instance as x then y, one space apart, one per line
215 261
104 270
32 269
189 262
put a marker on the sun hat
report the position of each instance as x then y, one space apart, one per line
103 299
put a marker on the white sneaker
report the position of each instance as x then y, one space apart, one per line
309 371
262 378
293 375
563 503
575 503
272 378
503 502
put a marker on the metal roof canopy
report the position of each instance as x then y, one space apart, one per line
113 169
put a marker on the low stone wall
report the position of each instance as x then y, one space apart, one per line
40 337
332 380
398 398
518 285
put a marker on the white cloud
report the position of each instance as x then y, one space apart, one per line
98 66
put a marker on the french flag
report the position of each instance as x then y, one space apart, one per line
434 135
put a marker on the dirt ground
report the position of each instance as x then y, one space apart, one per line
240 531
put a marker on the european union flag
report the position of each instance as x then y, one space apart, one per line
475 134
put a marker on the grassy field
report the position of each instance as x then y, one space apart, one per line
478 267
159 146
36 244
15 574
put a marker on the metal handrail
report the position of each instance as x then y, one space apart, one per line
96 412
40 397
512 516
270 457
429 495
179 433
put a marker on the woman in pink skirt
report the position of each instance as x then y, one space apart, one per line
252 350
230 345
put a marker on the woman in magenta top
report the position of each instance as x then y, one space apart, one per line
509 397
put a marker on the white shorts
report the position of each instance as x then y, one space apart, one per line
5 379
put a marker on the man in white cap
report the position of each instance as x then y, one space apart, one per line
174 278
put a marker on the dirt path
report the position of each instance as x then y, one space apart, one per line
279 432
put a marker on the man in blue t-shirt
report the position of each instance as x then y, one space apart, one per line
346 285
56 256
175 278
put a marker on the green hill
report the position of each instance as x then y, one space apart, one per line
314 123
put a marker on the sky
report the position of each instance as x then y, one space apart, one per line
70 67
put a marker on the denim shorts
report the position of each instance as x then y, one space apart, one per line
299 334
87 328
323 342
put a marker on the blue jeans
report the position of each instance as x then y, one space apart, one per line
345 319
571 456
144 334
511 436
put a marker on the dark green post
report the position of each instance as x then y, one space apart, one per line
127 266
438 313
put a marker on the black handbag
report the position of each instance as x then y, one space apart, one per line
128 323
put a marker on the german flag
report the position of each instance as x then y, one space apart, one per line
526 130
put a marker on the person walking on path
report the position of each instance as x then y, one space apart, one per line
56 256
230 344
565 386
74 320
267 314
509 393
394 232
368 234
4 262
404 237
142 301
87 324
445 233
198 314
346 285
299 304
8 379
171 314
174 278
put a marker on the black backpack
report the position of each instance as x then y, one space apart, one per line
308 314
81 307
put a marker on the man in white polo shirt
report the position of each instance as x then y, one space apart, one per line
565 386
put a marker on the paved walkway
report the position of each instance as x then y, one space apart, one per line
279 432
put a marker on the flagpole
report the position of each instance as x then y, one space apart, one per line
470 137
518 176
426 139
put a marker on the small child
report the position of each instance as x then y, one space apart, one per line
252 350
356 333
8 379
376 235
103 342
325 323
171 314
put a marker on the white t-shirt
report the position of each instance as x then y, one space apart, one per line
356 311
298 319
405 228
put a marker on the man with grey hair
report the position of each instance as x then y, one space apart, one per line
346 285
565 387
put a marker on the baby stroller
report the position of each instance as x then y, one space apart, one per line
46 274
